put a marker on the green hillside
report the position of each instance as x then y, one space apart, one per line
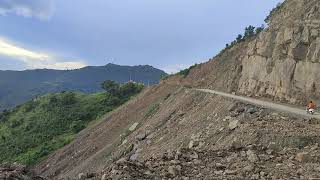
31 131
17 87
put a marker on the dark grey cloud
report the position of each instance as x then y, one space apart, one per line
42 9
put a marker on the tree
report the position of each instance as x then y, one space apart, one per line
260 29
239 38
110 86
249 31
130 88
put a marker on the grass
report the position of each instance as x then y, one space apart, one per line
30 132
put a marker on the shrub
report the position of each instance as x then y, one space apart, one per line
248 32
110 86
273 11
186 72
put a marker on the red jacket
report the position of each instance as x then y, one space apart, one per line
312 106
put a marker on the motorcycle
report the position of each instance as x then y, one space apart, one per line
310 111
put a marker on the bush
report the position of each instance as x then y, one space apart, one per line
77 126
110 86
130 88
186 72
273 11
124 90
249 31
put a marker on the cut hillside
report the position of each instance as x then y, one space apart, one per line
172 131
280 63
33 130
214 137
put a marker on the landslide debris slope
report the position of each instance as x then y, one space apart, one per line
172 131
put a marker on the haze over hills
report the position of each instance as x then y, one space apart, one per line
19 86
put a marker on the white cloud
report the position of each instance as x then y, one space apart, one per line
174 68
42 9
34 60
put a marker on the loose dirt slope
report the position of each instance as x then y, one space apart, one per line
171 131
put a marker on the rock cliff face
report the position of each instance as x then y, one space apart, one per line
284 60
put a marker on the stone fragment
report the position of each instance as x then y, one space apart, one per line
133 127
134 157
141 136
233 124
303 157
81 176
252 157
104 177
252 110
172 171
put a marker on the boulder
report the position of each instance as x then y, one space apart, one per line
133 127
252 157
82 176
303 157
104 177
252 110
134 157
233 124
141 136
172 171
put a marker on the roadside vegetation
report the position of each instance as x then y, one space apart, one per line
184 73
273 11
33 130
249 32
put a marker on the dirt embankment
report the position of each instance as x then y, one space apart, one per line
225 135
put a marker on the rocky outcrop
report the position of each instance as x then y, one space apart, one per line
17 172
284 60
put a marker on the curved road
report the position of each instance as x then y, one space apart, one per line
266 104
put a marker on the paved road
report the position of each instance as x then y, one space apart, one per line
269 105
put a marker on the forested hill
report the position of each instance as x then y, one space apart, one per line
40 126
17 87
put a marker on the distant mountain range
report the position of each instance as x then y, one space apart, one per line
17 87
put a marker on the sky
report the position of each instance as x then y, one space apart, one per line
167 34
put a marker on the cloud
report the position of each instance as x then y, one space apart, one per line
36 60
42 9
174 68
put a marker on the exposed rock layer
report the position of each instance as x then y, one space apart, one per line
281 63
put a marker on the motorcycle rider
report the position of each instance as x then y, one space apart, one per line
311 106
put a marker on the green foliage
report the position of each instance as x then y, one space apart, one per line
239 38
111 87
152 110
273 11
259 29
17 87
33 130
249 31
130 88
124 90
